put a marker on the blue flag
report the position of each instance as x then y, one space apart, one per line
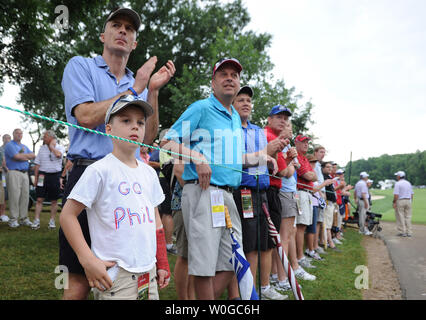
243 272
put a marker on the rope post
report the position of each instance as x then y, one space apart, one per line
258 235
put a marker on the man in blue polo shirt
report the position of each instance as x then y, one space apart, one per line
210 132
17 156
90 86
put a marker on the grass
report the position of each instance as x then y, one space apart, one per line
384 206
29 258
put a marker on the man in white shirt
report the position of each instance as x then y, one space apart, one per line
47 173
361 199
402 200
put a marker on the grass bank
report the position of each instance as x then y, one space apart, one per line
29 258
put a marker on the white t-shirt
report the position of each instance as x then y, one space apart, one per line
120 205
48 161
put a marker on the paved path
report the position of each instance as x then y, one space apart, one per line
409 259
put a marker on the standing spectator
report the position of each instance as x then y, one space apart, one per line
3 170
402 200
331 207
306 177
17 156
90 86
209 245
247 197
361 199
144 154
319 153
311 230
288 199
47 174
121 195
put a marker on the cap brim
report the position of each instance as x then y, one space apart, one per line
238 66
134 17
246 90
143 105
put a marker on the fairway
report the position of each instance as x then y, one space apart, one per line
384 205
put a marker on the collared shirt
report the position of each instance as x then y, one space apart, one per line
207 127
47 160
90 80
289 184
254 140
271 134
305 167
360 188
403 189
318 171
13 148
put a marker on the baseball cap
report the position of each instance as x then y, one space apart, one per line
340 171
279 109
400 174
247 90
364 174
370 181
302 138
223 61
311 158
134 17
125 101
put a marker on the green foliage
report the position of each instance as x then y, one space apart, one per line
384 167
193 34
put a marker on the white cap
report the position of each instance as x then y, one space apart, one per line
125 101
364 174
370 181
401 174
340 171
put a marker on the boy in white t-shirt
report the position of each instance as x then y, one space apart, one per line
121 194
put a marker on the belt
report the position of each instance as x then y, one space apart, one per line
23 171
83 162
308 191
226 188
254 189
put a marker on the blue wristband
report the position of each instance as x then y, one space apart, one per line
133 91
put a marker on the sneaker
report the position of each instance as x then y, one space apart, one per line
14 224
282 285
336 241
273 280
401 234
27 222
302 274
408 235
51 224
36 224
305 263
4 218
368 233
320 250
172 250
335 249
314 255
272 294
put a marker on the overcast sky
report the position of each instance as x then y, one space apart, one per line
362 63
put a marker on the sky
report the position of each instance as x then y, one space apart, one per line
361 63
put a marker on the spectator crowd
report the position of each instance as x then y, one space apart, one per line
220 163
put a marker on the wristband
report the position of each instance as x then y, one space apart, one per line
162 262
133 91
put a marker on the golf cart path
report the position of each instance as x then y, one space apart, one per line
409 259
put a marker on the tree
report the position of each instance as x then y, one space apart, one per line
193 34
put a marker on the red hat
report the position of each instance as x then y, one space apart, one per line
302 138
232 61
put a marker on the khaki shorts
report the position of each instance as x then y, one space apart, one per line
125 287
209 249
320 215
288 204
1 193
328 215
179 230
306 208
